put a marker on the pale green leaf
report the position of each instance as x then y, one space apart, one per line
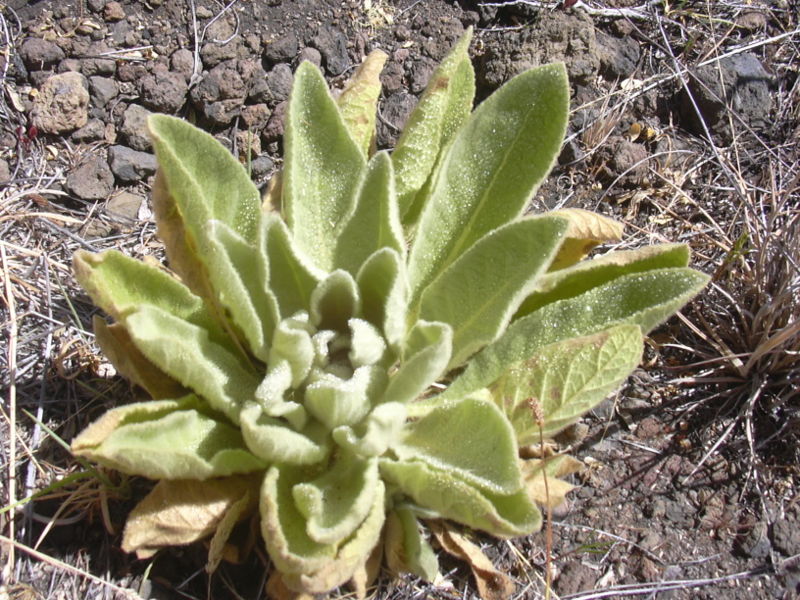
426 355
383 288
291 277
321 170
452 498
566 380
117 346
274 441
367 346
478 294
358 102
492 168
470 439
443 107
375 222
239 284
185 353
644 299
334 302
204 178
338 501
580 278
292 344
406 549
350 557
166 439
334 401
377 433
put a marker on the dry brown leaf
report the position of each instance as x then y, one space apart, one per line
218 549
555 492
586 230
180 512
278 590
492 583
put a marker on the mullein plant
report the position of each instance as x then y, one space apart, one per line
368 346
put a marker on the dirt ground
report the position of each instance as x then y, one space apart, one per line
684 126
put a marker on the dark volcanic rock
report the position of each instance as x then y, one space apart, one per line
738 83
283 49
92 180
395 110
618 56
38 54
130 166
134 127
163 91
102 90
93 131
332 44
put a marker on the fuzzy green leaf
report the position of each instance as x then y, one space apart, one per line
470 439
185 352
383 288
335 401
338 501
406 549
335 301
478 294
375 222
367 346
291 278
274 441
166 439
427 353
566 379
441 110
644 299
585 275
380 431
452 498
238 279
491 170
292 344
358 102
321 170
118 347
205 180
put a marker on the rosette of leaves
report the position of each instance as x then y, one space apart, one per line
367 346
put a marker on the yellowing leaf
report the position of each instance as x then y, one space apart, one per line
585 231
359 99
492 583
180 512
554 492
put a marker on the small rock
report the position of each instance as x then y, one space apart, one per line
97 64
332 44
786 534
222 29
421 73
130 166
93 131
312 55
38 54
392 77
260 167
402 33
247 144
220 83
163 91
95 5
274 129
279 82
113 12
739 81
214 53
69 64
752 20
618 56
623 161
102 90
223 111
755 542
182 61
92 180
134 127
395 111
204 13
131 72
280 50
125 207
5 172
256 116
62 103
